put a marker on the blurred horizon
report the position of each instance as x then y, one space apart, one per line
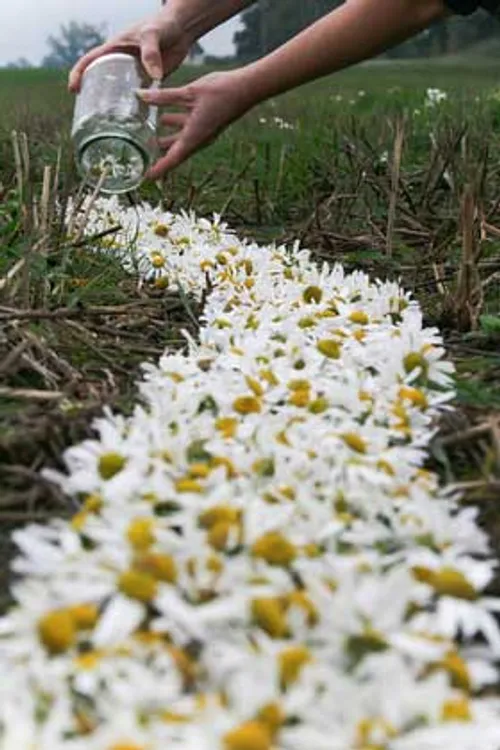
25 32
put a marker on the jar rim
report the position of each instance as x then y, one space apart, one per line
110 56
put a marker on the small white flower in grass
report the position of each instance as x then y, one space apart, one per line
435 96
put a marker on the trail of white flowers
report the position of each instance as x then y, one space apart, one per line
260 560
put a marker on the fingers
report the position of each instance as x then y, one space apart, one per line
76 73
150 53
174 119
179 150
182 97
167 141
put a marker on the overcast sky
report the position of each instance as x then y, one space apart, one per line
26 24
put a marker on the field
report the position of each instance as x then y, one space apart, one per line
248 524
362 168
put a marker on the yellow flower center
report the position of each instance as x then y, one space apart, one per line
161 567
254 386
93 503
413 361
215 564
247 405
157 260
184 664
161 230
446 582
359 317
84 616
367 728
291 663
264 467
329 348
300 399
457 669
386 467
301 600
456 710
138 585
319 405
185 484
299 385
57 631
359 335
252 735
219 514
162 282
275 549
89 660
110 464
199 470
306 323
140 533
171 717
287 491
227 426
269 377
217 461
312 294
273 716
218 536
270 615
355 442
415 396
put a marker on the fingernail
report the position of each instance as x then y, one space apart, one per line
144 94
156 72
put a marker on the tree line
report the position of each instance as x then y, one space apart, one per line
270 23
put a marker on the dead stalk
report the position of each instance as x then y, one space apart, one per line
469 297
395 177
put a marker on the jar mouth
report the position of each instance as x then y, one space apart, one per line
121 159
111 57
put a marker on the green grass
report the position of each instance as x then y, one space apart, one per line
261 175
327 179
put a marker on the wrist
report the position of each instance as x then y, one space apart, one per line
254 83
198 17
173 15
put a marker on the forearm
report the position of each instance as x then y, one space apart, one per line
356 31
198 17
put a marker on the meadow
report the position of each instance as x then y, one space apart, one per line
278 527
367 168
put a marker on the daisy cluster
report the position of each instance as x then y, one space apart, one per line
259 560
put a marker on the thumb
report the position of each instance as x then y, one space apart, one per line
151 54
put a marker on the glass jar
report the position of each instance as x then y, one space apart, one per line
113 130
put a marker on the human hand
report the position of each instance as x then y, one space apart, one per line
161 43
207 106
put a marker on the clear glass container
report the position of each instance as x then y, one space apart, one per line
114 132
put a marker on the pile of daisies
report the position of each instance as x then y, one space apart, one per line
259 560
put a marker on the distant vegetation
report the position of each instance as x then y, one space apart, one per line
269 24
266 25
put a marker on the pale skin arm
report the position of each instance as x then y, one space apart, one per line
357 30
164 40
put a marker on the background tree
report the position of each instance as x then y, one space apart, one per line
272 22
73 41
269 24
20 64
